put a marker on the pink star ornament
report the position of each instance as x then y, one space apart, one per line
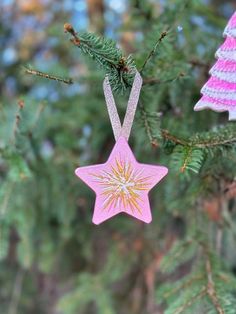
121 184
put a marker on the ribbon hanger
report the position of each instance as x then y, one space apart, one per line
125 129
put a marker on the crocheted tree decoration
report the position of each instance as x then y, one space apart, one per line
219 92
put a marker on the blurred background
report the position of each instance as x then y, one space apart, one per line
52 259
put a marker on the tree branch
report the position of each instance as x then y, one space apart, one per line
21 105
16 292
211 292
209 143
215 143
198 296
167 136
31 71
119 69
153 80
184 285
152 52
152 138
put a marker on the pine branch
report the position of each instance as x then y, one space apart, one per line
199 63
119 69
37 116
180 252
153 51
221 137
187 158
190 302
145 116
4 240
5 198
184 285
13 308
166 135
21 105
153 81
29 70
216 143
211 291
205 279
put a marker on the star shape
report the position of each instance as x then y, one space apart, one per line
121 184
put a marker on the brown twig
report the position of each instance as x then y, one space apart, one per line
178 141
178 253
68 28
17 120
30 71
167 136
199 63
120 65
13 308
5 200
187 159
211 292
152 52
153 80
152 138
184 285
199 295
210 285
215 143
38 113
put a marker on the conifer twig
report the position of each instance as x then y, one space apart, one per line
29 70
178 253
199 63
21 105
151 136
188 304
68 28
183 286
153 80
5 201
38 113
211 292
220 142
168 136
152 52
187 158
208 143
119 69
16 292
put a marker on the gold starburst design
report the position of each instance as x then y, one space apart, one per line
122 185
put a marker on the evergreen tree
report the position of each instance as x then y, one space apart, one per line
53 117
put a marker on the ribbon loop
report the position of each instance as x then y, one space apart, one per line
112 110
125 129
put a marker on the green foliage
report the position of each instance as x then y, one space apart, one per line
104 52
151 123
187 158
4 240
181 252
18 167
96 288
184 261
205 289
89 289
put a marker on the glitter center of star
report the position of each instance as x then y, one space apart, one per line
121 185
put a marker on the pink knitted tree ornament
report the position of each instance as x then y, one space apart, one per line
219 92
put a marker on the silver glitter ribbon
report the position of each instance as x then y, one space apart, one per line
125 129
